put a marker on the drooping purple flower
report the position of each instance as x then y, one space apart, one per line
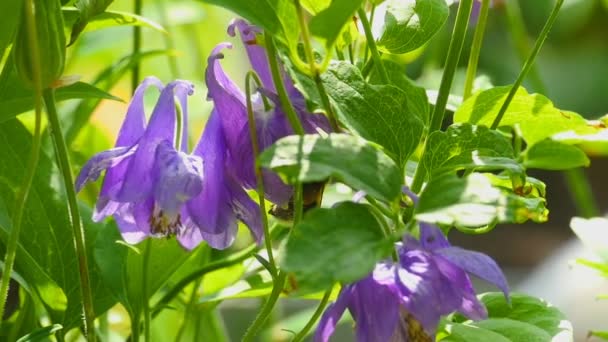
271 123
151 188
398 301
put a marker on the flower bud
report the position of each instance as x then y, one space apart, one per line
51 44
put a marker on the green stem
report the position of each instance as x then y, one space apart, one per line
454 51
529 63
313 319
164 21
24 190
208 268
295 123
371 43
476 48
145 291
260 319
581 190
305 37
258 170
519 35
62 155
189 309
136 46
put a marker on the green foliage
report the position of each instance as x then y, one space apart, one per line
376 112
46 258
10 23
524 318
409 24
327 24
468 147
312 158
42 334
87 10
552 155
348 235
473 201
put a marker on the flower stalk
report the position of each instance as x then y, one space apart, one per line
476 48
371 43
61 151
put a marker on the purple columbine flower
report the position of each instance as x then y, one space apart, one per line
271 123
404 301
152 188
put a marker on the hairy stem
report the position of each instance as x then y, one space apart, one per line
313 319
23 192
62 155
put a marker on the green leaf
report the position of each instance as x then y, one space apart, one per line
107 19
524 319
377 112
87 9
552 155
17 98
535 114
346 158
473 201
122 266
276 16
46 257
42 334
328 23
409 24
601 334
341 244
9 23
468 147
592 233
253 286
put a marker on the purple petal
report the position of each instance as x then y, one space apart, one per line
125 221
245 209
182 93
477 264
375 308
331 316
180 177
431 237
228 99
139 181
190 235
100 162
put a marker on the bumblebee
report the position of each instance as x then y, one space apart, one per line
312 194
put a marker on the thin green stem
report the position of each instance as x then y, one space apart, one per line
145 291
519 35
331 114
251 75
351 54
23 192
476 48
305 37
339 54
313 319
62 155
529 63
189 309
271 48
371 43
260 319
135 73
582 193
164 21
208 268
451 63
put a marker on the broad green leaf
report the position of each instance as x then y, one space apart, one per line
409 24
122 266
276 16
535 114
328 23
473 201
256 285
552 155
377 112
341 244
468 147
601 334
46 257
8 25
524 319
346 158
592 233
16 98
417 100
